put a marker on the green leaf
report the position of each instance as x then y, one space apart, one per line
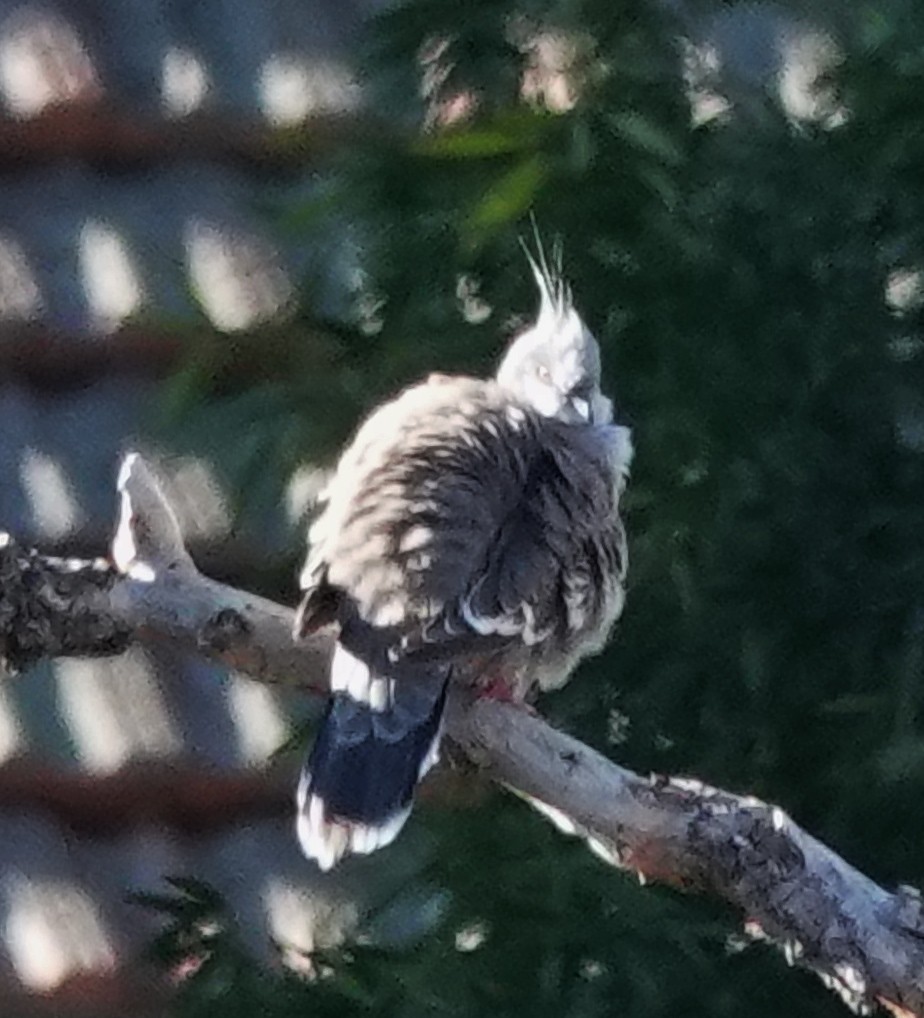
642 133
507 200
506 135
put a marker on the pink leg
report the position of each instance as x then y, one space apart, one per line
494 686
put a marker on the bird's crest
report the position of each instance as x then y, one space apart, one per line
554 292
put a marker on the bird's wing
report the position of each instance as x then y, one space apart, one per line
416 499
559 556
456 515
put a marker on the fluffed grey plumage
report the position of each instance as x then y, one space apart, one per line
471 533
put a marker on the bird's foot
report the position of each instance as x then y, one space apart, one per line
496 687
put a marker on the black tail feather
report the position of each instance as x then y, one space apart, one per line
371 750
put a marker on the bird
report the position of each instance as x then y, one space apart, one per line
470 533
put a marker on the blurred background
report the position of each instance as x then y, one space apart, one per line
227 229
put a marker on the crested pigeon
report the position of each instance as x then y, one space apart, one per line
470 534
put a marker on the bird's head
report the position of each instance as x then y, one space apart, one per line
554 366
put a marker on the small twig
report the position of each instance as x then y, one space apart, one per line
148 540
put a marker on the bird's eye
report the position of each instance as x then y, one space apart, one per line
543 373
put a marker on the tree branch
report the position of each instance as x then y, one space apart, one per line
864 941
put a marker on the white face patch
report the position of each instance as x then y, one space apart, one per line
570 364
544 398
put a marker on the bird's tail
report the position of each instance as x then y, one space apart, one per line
377 739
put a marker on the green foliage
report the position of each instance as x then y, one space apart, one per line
507 943
736 274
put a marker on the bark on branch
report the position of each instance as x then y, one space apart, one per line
865 942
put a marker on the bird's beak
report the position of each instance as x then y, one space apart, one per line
583 408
